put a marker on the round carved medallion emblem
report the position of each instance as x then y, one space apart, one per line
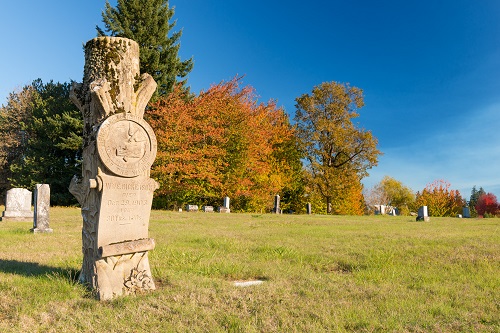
126 145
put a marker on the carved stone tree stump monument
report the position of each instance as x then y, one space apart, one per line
115 189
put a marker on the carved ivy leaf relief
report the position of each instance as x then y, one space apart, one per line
138 280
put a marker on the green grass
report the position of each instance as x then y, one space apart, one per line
321 273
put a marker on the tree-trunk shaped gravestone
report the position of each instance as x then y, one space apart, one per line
115 190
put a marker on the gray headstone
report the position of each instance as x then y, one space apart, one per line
422 214
277 209
308 208
225 208
466 212
18 205
191 208
42 208
208 209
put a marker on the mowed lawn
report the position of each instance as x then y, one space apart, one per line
320 273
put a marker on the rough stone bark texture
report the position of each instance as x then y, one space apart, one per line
114 190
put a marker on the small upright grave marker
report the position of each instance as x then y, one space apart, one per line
225 207
18 205
42 208
466 212
422 214
308 208
277 209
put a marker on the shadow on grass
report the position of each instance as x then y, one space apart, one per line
34 269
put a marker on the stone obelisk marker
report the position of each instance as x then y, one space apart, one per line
115 189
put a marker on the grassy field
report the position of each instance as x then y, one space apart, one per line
320 273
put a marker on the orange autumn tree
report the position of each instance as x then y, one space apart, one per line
220 143
440 200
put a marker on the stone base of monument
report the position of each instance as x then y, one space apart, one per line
224 210
123 269
20 216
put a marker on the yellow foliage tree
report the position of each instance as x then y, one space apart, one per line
335 148
440 200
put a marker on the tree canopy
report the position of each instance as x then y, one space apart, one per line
391 192
43 139
148 22
337 151
222 143
440 199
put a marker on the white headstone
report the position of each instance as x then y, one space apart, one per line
208 209
191 208
226 202
225 207
18 205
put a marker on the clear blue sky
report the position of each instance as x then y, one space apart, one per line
430 69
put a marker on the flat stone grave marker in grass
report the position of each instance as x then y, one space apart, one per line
208 209
191 208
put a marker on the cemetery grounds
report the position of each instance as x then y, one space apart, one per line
320 274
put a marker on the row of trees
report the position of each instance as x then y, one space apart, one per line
221 142
438 196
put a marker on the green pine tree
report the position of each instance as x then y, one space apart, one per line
148 23
49 150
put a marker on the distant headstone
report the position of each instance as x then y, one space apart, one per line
225 207
422 214
18 205
208 209
277 209
191 208
308 208
42 208
466 212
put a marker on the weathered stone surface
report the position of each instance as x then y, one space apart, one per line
224 210
191 208
308 208
208 209
42 209
115 189
18 205
277 209
141 245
